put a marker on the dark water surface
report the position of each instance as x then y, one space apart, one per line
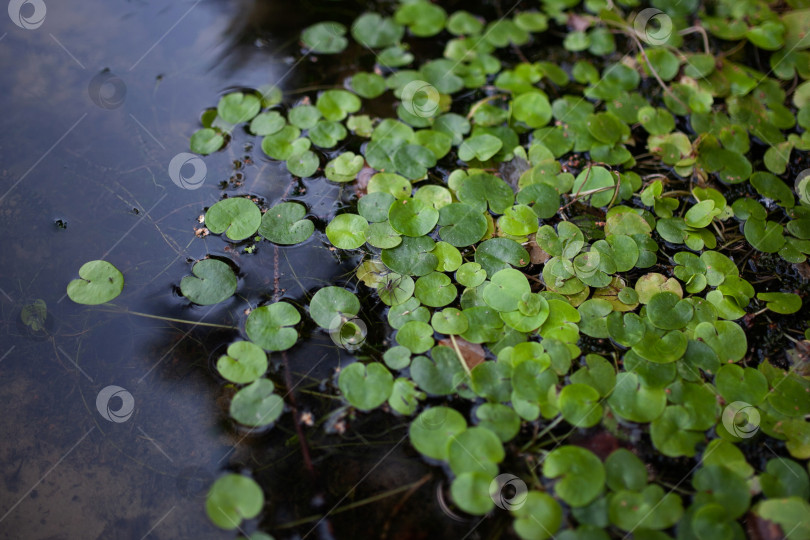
84 176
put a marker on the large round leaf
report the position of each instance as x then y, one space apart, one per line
331 304
412 217
256 405
98 282
244 363
284 224
269 326
581 474
238 218
366 387
432 430
231 499
213 281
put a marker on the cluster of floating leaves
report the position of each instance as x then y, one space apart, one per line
545 230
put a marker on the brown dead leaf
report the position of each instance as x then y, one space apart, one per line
761 529
578 22
473 353
536 253
361 185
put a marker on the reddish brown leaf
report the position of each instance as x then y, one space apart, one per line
473 353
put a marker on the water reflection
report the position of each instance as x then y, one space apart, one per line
97 101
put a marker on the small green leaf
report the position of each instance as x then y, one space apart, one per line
238 218
231 499
244 363
285 224
325 37
366 386
269 326
256 405
213 282
98 283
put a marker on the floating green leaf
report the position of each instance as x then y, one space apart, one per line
238 218
213 282
98 283
231 499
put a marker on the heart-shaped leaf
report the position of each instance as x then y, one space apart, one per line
238 218
269 326
256 405
366 387
99 283
231 499
244 363
285 224
213 282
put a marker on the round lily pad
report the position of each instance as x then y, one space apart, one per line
417 336
539 517
581 474
213 281
244 363
303 164
366 386
269 326
412 217
347 231
470 491
579 405
666 310
256 405
331 304
206 141
238 107
431 431
435 289
450 321
231 499
461 224
475 449
326 37
285 224
98 283
238 218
